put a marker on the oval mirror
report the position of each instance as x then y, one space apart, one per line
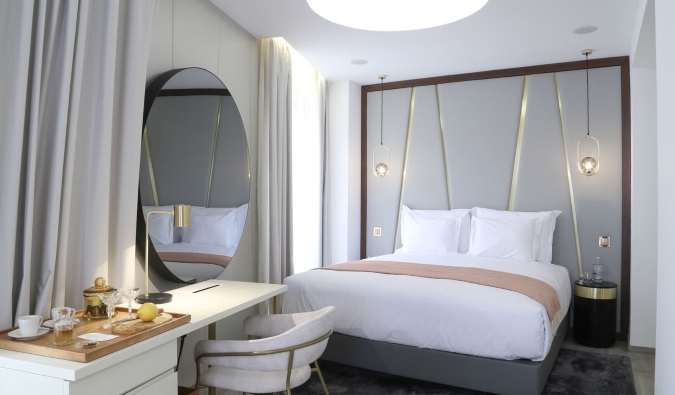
194 152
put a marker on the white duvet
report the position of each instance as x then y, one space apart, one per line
445 315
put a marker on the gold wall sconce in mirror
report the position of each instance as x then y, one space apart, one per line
589 165
181 219
381 168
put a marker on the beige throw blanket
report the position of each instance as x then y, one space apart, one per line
536 289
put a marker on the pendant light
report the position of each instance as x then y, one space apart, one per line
381 169
588 165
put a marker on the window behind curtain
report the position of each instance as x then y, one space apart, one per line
306 162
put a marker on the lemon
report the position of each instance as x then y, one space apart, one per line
147 312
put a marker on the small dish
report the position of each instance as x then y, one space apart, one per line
16 334
50 323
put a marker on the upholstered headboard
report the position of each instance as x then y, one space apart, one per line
507 140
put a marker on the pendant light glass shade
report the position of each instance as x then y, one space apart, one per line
589 165
381 168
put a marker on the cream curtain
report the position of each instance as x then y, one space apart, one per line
311 233
72 81
274 199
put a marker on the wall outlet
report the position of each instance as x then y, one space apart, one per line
377 231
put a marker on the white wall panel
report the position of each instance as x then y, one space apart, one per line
665 95
644 219
198 34
344 131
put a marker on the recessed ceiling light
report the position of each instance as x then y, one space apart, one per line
359 62
585 29
385 15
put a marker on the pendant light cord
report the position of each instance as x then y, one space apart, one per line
381 108
588 112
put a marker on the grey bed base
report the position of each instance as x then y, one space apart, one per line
520 377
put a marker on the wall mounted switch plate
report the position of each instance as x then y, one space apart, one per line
604 241
377 231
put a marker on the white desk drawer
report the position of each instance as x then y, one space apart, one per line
166 386
131 374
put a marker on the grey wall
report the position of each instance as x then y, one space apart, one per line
195 33
481 120
181 135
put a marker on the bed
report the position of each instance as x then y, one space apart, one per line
193 261
203 250
447 331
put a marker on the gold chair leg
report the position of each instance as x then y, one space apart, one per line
318 371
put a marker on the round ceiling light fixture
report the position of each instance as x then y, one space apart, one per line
394 15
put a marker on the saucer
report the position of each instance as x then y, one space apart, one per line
16 334
50 323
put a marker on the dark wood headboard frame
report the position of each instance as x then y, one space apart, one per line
622 61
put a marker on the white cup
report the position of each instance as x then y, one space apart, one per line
56 312
29 324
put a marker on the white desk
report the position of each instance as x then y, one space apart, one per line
143 368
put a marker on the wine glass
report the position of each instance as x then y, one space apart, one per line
130 295
110 299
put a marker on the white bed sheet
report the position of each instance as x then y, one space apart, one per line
444 315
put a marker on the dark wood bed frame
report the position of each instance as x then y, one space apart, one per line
518 377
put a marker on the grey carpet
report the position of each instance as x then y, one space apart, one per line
574 373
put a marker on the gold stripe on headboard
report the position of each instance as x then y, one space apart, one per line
519 143
213 152
569 175
405 163
151 172
445 149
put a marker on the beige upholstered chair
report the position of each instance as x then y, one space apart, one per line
278 361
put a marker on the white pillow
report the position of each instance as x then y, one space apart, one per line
196 210
503 238
544 227
463 215
161 225
423 234
215 228
239 223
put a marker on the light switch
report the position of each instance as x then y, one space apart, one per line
377 231
604 241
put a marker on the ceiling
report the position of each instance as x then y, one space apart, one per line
504 34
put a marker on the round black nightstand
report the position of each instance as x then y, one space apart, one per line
595 313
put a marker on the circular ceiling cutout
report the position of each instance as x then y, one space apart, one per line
359 62
394 15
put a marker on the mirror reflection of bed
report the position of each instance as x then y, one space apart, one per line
195 152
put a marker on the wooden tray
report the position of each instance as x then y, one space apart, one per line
44 345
